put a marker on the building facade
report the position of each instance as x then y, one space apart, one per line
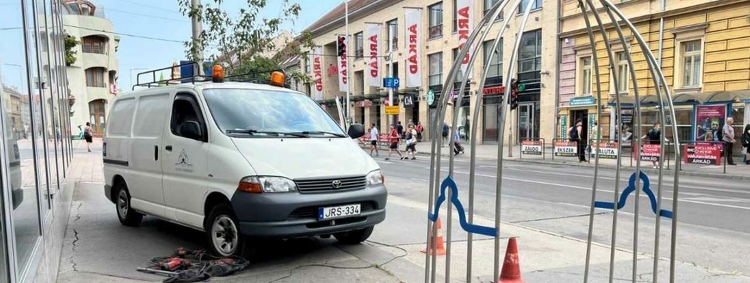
440 31
36 154
702 47
93 76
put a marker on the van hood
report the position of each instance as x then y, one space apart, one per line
305 157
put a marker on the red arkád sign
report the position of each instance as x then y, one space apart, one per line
702 153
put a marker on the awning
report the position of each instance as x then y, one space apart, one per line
729 96
686 98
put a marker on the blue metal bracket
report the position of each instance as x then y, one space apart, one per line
475 229
631 187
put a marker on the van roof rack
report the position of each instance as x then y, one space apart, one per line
258 77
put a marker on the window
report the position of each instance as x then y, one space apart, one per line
455 15
436 68
496 64
392 34
184 111
436 20
307 64
530 56
692 61
459 75
93 44
358 52
585 79
488 4
536 5
622 72
95 77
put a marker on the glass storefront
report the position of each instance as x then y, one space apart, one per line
34 110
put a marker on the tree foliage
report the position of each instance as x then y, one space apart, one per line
246 35
70 54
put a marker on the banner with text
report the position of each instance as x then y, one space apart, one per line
465 17
650 152
413 19
709 121
705 153
532 147
373 41
317 62
607 150
343 72
566 148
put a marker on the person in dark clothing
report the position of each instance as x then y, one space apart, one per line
746 143
575 134
654 137
400 130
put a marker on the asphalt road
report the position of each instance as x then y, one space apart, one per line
712 215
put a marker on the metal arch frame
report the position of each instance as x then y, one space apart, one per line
436 149
659 81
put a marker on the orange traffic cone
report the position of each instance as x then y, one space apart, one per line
440 250
511 269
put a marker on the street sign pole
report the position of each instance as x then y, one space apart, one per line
348 71
390 89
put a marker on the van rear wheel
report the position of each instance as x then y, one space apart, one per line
125 213
354 237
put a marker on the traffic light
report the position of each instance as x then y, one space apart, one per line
514 85
341 46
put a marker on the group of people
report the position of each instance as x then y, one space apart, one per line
398 135
728 137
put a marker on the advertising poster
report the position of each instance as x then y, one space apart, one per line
709 120
607 150
532 147
566 148
413 19
708 154
650 152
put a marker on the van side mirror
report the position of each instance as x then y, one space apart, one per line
191 130
356 131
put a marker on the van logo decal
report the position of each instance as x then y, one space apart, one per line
183 162
336 184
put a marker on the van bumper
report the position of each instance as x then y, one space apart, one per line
292 215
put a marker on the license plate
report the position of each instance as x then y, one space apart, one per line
338 211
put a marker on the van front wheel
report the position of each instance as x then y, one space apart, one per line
354 237
125 213
222 229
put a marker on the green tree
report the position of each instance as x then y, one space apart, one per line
70 54
247 35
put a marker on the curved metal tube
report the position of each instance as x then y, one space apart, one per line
670 102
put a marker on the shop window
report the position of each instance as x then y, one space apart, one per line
358 45
435 68
392 35
584 79
95 77
496 64
692 63
436 20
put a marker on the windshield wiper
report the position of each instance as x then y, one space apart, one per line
252 132
321 133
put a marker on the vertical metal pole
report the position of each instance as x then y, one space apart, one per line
510 133
390 89
347 111
197 28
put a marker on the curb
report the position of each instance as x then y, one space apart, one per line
648 170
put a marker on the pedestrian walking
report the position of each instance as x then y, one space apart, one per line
419 129
393 138
574 134
410 124
87 135
446 130
400 130
374 140
746 143
654 137
457 147
411 142
729 139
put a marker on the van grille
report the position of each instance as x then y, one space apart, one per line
328 184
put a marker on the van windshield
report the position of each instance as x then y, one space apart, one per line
263 113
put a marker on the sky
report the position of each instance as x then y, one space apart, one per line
152 31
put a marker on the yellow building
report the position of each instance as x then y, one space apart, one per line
704 52
437 46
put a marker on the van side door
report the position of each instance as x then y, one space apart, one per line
145 178
185 147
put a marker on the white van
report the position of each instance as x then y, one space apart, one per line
233 159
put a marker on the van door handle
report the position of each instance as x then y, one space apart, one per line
168 148
156 152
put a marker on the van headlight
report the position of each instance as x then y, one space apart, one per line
375 178
266 184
